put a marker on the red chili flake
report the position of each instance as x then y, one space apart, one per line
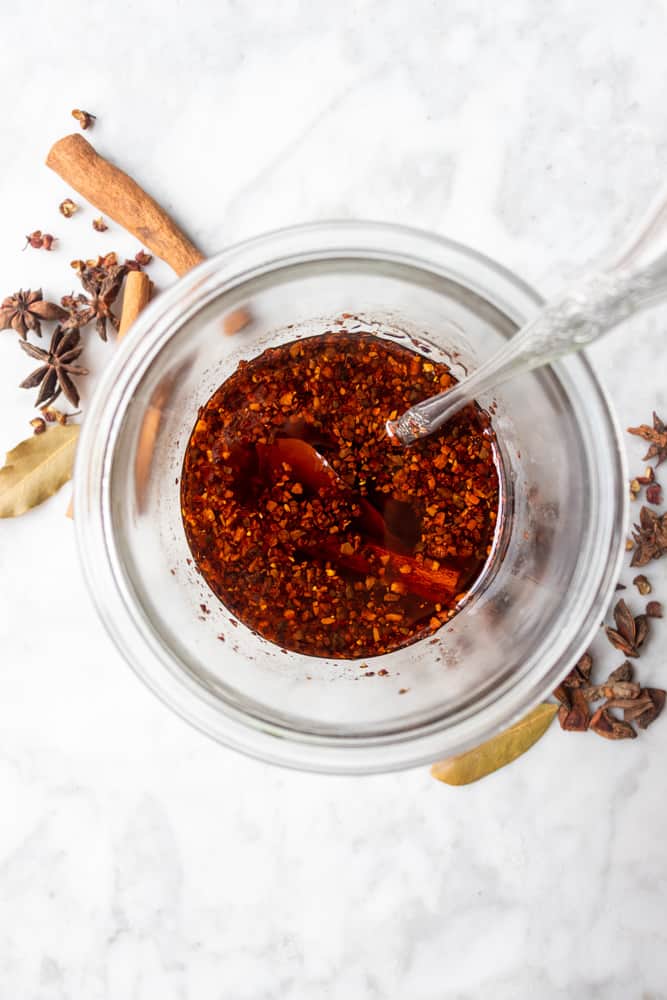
310 524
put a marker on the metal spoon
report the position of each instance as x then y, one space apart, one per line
635 279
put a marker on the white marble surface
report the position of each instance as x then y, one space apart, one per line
137 859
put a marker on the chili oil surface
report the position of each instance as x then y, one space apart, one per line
310 524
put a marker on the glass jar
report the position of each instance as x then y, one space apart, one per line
544 590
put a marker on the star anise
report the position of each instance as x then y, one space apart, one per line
103 285
57 365
650 537
626 636
657 435
23 311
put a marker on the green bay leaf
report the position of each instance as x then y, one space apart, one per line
498 751
36 468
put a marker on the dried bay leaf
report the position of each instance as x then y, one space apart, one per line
36 469
498 751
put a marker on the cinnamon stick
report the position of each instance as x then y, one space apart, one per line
138 288
116 195
148 435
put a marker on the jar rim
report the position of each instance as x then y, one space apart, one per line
115 604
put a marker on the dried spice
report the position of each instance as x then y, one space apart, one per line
95 267
314 528
68 208
580 674
604 724
653 488
54 374
620 692
34 240
24 311
38 425
578 677
36 468
574 715
142 258
642 630
654 493
656 435
652 703
53 416
102 280
650 537
99 225
612 689
623 673
642 584
498 751
84 118
39 240
576 692
624 636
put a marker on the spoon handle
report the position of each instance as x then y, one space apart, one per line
589 309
